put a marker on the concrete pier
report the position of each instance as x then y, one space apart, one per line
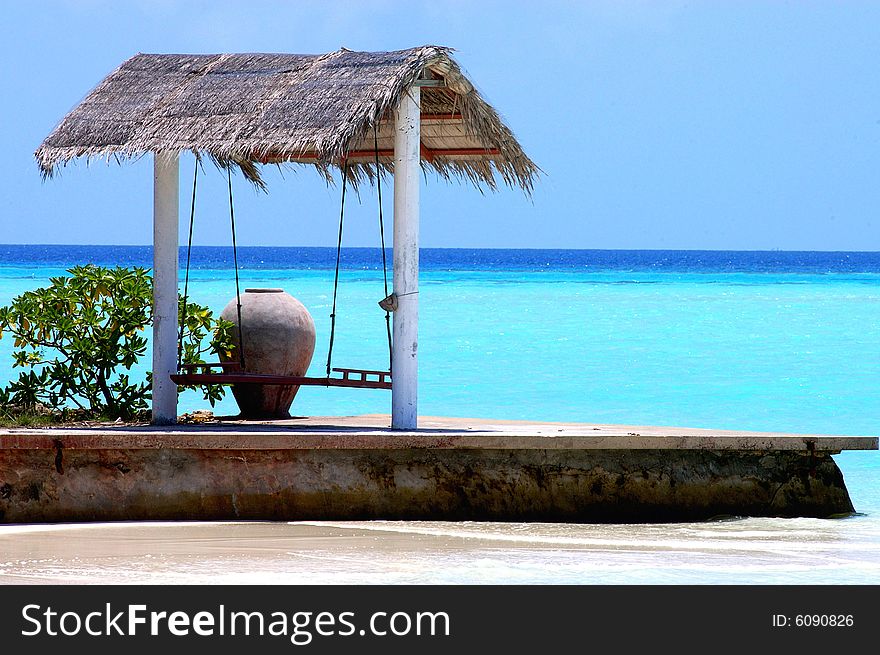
338 468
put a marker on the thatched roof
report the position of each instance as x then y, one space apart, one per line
251 109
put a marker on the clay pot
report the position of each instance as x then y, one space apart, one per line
279 339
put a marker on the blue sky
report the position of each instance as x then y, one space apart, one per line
699 125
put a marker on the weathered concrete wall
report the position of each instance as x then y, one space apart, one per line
649 485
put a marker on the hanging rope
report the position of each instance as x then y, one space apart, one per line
189 244
382 239
336 277
235 264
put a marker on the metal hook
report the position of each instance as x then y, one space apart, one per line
389 303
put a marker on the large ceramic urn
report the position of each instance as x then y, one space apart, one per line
278 336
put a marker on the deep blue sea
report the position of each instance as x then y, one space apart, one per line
777 341
458 259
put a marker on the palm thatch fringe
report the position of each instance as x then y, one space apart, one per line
251 109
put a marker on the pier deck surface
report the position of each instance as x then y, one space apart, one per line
372 431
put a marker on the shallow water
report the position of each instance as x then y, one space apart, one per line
773 341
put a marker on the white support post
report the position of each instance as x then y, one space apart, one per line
166 186
407 173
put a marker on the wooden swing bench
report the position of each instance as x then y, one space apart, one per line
231 373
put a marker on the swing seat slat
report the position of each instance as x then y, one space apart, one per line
365 379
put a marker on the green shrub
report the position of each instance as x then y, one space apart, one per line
77 338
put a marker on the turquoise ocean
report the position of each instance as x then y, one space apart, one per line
770 341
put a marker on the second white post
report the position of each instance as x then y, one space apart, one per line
407 173
165 225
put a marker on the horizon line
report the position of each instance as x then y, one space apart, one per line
183 246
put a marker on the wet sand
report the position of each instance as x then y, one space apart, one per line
733 551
